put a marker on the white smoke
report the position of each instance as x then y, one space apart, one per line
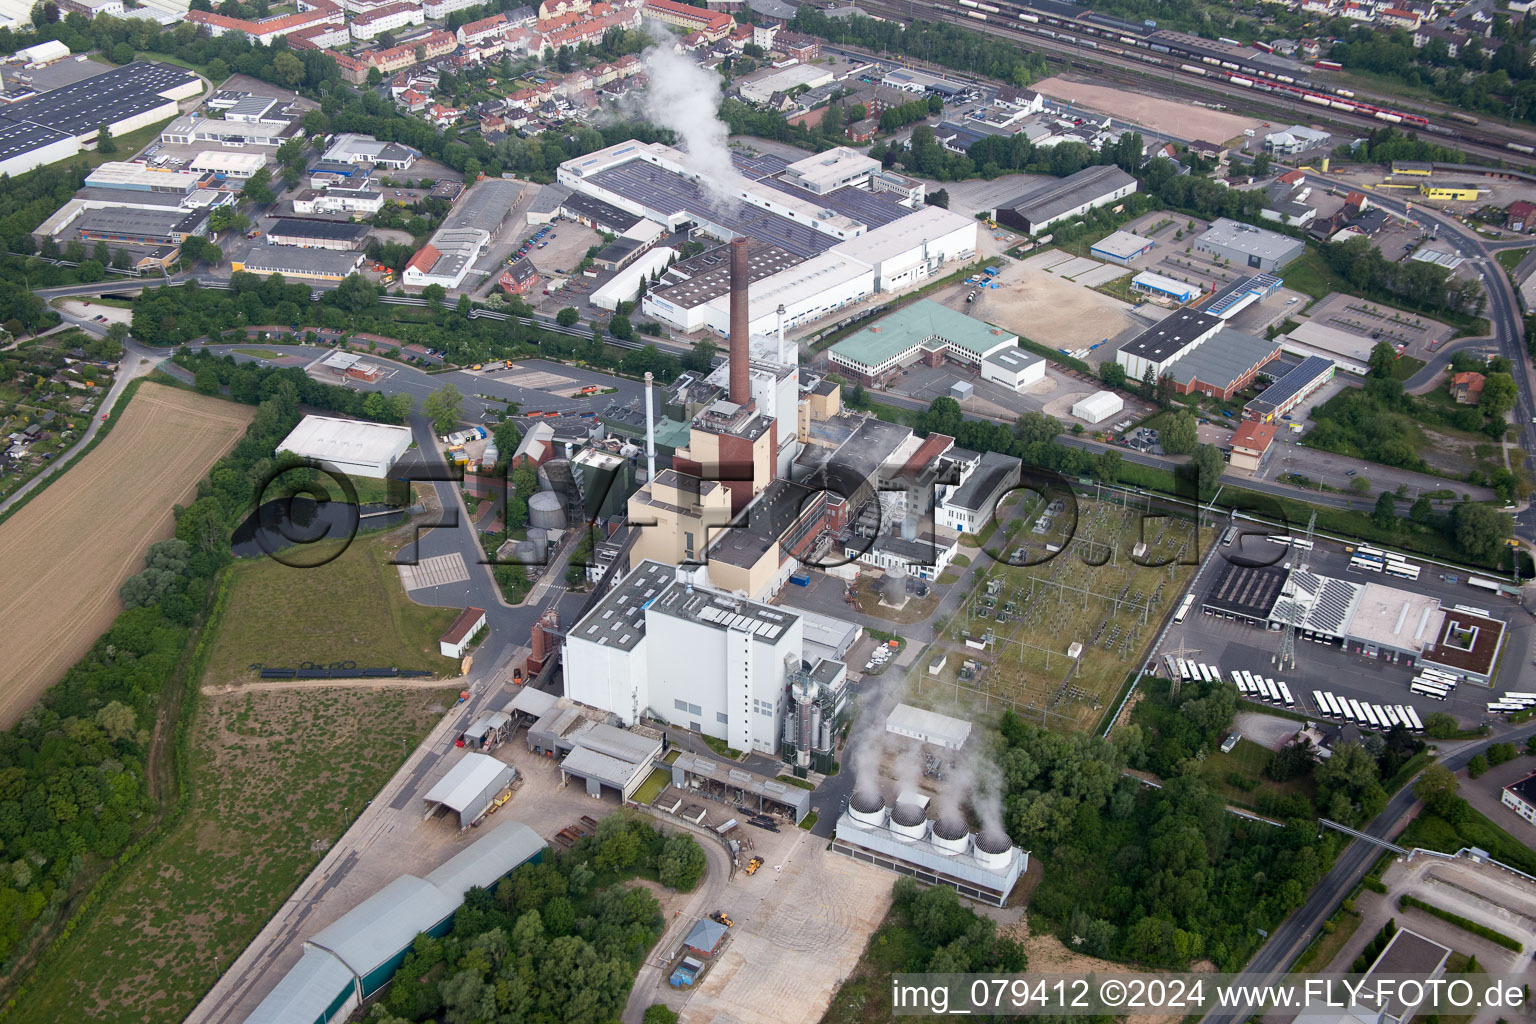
987 794
685 97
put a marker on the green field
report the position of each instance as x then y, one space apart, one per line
352 608
1092 591
275 779
1509 259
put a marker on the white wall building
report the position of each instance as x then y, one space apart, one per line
388 18
626 284
836 168
1098 406
814 289
907 251
348 446
700 658
1013 368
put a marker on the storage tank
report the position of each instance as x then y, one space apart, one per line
894 587
867 808
908 821
546 510
950 835
537 544
993 848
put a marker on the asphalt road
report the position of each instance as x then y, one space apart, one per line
1287 941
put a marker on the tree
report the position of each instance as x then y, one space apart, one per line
1480 529
1440 725
567 317
621 328
207 379
1112 374
656 1013
442 408
1148 384
258 188
105 143
1421 511
1477 766
1437 788
1208 465
1385 513
701 357
1261 165
1181 434
939 197
1498 395
1165 390
289 69
1383 358
681 862
1360 485
434 294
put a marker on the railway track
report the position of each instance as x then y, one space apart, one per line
1304 99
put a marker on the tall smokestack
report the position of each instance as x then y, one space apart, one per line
781 333
741 381
650 433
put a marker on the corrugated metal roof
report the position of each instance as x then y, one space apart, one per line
466 780
306 992
488 858
377 929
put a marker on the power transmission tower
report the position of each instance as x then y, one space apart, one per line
1287 652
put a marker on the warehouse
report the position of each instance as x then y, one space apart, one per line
1166 341
24 145
909 250
364 149
192 129
447 259
294 262
1057 200
924 330
462 633
337 199
1247 246
629 282
601 755
469 788
1121 247
785 80
348 446
1349 351
135 177
1098 407
1164 287
140 227
227 166
1223 365
806 292
968 505
1013 368
1290 390
317 234
831 170
354 957
688 286
701 773
928 727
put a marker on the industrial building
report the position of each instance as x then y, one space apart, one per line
589 748
1247 246
968 504
1013 368
1163 287
469 788
447 259
462 632
339 199
1290 390
925 330
136 226
301 264
1161 345
351 959
928 727
191 129
317 234
664 639
348 446
692 773
1057 200
137 177
56 124
366 150
1121 247
1241 294
901 838
1373 619
1221 366
1520 797
224 165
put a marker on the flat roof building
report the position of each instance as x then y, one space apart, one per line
348 446
1121 247
136 177
1223 365
1013 368
928 727
1164 287
299 263
139 226
1247 246
833 169
349 148
1160 345
1290 389
925 330
1052 201
317 234
224 164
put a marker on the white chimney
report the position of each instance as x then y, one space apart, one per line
650 433
782 358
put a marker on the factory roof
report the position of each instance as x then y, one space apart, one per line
306 992
370 934
466 780
1223 360
549 199
618 619
488 858
122 174
832 166
981 486
605 215
1055 197
923 324
223 160
1467 642
746 781
295 259
862 205
1013 359
1398 619
1250 240
766 623
531 702
698 279
330 230
81 107
484 205
1296 379
18 137
813 276
909 232
127 220
1122 245
1319 604
1171 335
352 148
251 107
906 720
329 438
1247 590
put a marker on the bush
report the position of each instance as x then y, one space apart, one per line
681 863
1406 901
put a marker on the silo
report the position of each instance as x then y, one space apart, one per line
949 834
867 808
992 849
893 589
824 741
538 541
546 511
908 821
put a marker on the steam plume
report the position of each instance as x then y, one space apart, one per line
685 97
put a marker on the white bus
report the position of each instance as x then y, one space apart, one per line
1370 552
1184 606
1482 583
1184 670
1352 710
1319 703
1436 676
1171 665
1429 690
1245 682
1285 695
1413 717
1271 691
1500 707
1522 696
1335 708
1205 673
1391 715
1402 570
1370 715
1365 564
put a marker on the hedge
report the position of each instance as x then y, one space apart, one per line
1472 926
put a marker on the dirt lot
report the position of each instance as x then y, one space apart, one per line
66 552
1167 116
1047 309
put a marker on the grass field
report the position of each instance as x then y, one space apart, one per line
1509 259
1091 591
66 552
350 609
276 777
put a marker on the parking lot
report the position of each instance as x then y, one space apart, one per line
1231 644
1371 321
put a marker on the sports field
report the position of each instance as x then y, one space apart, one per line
66 551
1098 590
352 608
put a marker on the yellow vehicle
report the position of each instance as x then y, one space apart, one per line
720 916
753 865
475 367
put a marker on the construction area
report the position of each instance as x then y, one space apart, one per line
1065 613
